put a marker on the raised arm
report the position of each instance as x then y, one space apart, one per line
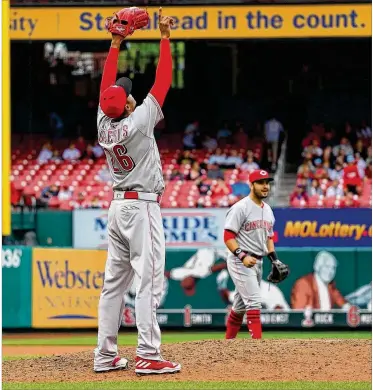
163 77
109 74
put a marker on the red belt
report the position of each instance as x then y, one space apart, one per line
117 195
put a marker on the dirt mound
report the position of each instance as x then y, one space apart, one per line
230 360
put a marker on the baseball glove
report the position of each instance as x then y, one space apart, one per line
279 272
126 21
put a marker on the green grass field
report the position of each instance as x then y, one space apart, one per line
130 339
174 337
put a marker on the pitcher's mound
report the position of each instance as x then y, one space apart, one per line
216 360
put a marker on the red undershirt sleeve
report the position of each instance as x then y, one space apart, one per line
229 235
109 74
163 77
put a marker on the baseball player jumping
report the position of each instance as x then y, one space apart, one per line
136 241
248 234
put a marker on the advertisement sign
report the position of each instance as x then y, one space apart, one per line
210 22
322 290
324 227
66 287
184 228
203 228
16 287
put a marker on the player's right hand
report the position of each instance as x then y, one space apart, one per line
165 23
249 261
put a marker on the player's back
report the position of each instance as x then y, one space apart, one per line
131 150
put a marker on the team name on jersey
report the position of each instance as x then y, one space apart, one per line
113 135
260 224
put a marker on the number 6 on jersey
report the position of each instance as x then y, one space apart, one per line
120 160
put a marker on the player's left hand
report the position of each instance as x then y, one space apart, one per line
279 272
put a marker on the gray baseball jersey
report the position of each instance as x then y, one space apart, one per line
136 241
253 225
131 150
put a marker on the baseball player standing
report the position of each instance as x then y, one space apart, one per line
136 241
248 234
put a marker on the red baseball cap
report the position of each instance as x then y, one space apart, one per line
259 174
114 98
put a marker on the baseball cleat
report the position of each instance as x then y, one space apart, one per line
148 367
117 364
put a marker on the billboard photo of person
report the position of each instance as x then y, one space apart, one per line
318 290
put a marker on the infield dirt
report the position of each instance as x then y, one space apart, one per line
218 360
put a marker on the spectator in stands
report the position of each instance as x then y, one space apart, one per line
365 131
186 158
315 188
361 165
350 133
195 171
272 131
104 174
80 202
81 144
95 203
320 172
56 125
56 156
368 172
233 160
369 154
334 190
176 175
241 139
350 200
314 149
217 158
220 189
328 155
336 173
249 165
344 146
45 154
361 149
203 187
224 132
47 194
88 153
241 188
97 150
71 153
65 193
190 135
299 194
351 178
214 172
210 143
328 140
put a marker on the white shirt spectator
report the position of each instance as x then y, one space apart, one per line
104 175
361 165
98 151
333 191
249 166
217 159
70 154
365 132
272 129
335 175
44 156
347 149
233 160
64 194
